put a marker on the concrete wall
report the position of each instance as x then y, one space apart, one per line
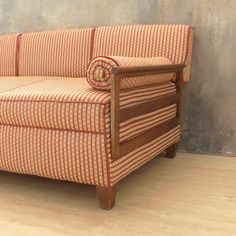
210 97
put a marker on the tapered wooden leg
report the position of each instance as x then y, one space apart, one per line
172 150
107 196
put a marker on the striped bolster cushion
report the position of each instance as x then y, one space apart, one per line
99 71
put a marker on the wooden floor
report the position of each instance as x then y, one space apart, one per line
188 195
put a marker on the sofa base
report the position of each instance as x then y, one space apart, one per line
107 196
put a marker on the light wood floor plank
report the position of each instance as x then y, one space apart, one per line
189 195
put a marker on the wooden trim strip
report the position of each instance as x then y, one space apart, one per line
146 70
115 116
147 107
18 40
146 137
179 84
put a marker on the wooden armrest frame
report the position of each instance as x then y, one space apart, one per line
119 115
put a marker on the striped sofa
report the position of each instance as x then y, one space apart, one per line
91 105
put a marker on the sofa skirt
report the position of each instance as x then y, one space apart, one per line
80 157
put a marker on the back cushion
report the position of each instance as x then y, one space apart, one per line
171 41
8 55
63 53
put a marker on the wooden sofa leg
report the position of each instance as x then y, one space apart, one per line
172 150
107 196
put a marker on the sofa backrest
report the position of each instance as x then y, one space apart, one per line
63 53
66 53
8 55
171 41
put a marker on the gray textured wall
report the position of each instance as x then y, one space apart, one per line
209 98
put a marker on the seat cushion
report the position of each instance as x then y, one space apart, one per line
53 103
10 83
72 104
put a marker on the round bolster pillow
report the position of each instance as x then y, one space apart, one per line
99 71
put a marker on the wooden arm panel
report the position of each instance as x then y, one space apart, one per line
119 115
128 72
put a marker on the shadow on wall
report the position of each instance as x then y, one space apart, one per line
209 124
209 98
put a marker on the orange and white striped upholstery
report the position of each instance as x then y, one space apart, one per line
137 125
54 124
60 127
75 156
99 72
171 41
64 53
54 103
57 154
8 55
130 162
71 104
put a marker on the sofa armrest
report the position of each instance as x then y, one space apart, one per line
145 70
118 115
141 70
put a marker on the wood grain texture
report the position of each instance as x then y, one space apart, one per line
147 136
146 70
106 196
146 107
190 195
179 85
172 150
115 116
118 150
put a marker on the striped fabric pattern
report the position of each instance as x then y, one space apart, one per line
8 55
55 103
136 96
9 83
57 154
132 161
71 104
54 124
99 72
64 53
73 156
76 148
171 41
137 125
